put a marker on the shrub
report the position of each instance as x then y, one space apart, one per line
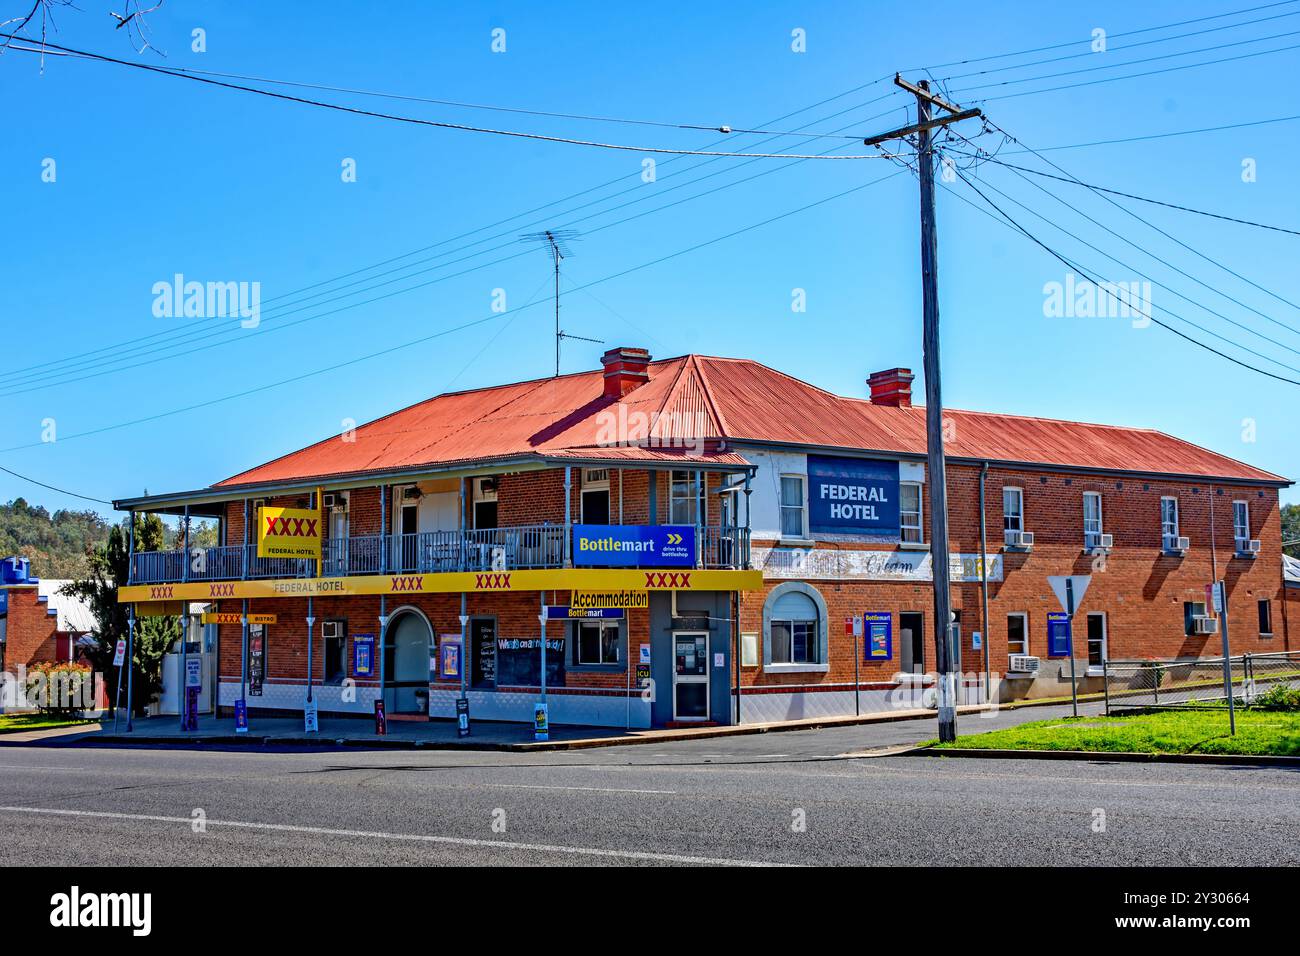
1279 697
60 688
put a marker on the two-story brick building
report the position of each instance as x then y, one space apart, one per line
690 536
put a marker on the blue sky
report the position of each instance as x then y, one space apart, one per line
157 176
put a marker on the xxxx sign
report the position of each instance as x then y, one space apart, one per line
288 533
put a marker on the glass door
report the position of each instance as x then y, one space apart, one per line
691 676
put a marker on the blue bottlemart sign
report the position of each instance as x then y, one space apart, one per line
878 634
1058 634
634 546
852 496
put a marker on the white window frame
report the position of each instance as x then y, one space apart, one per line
802 507
695 501
1241 533
1019 494
592 483
1024 620
333 629
1094 669
1168 539
919 528
1092 538
813 644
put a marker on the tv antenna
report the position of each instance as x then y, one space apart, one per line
557 241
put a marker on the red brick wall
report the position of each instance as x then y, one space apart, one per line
31 630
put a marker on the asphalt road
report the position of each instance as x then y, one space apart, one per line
780 798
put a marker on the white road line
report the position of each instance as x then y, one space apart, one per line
20 766
405 837
539 786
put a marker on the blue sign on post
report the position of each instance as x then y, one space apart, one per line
563 612
852 496
634 545
1058 635
878 644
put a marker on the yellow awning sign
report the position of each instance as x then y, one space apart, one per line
288 533
586 600
590 580
234 617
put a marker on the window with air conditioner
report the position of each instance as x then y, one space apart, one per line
1017 634
1192 610
334 641
1241 526
1013 516
909 513
1169 524
793 507
1092 534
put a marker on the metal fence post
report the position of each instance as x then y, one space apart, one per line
1105 683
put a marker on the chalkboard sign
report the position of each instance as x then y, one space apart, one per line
519 661
483 644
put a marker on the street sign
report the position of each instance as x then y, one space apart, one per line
1218 597
1078 583
119 654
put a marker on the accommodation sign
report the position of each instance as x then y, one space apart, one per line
634 545
852 496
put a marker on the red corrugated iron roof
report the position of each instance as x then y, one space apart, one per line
724 400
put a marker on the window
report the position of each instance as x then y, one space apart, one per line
595 496
1169 523
685 497
1096 640
1265 618
1091 519
1017 634
909 512
597 642
1191 611
334 652
1013 509
485 502
1241 526
795 627
792 506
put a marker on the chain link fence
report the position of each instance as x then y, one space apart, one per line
1187 683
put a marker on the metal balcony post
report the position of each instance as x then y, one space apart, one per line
185 568
130 548
748 532
568 516
243 551
701 517
383 529
460 545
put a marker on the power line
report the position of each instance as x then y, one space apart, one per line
62 491
1118 66
1119 49
1182 132
463 127
69 374
1127 33
1116 192
1105 285
79 359
1150 225
1134 76
475 322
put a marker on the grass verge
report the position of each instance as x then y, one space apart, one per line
16 723
1167 732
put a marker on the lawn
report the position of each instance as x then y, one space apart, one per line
1167 732
14 723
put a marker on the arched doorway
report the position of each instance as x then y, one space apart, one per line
408 645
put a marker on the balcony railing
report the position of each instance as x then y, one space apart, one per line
522 547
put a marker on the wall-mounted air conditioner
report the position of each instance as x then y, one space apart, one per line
1253 546
1023 664
1205 625
1019 539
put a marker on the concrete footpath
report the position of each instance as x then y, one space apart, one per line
488 735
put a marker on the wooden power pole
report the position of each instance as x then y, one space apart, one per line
945 652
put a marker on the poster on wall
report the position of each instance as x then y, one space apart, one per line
256 659
1058 635
852 496
879 641
449 657
363 655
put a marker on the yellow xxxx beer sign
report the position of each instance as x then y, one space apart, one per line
288 533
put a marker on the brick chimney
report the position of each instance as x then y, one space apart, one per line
892 387
625 369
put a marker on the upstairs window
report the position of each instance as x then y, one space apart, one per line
909 512
1241 526
1013 514
1091 519
793 512
685 497
1169 523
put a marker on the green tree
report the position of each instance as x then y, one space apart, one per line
1291 530
109 565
